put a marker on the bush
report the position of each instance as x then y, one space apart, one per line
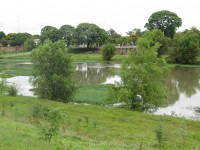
29 44
186 47
3 86
108 51
142 74
53 72
47 121
12 90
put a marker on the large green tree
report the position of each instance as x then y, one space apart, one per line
29 44
51 33
90 35
141 87
165 21
113 36
67 33
134 35
186 47
53 71
18 39
3 40
2 35
157 36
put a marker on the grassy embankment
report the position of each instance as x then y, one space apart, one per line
104 128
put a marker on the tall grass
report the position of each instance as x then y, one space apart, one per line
93 127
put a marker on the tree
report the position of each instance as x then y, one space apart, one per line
53 71
2 35
165 21
90 35
67 33
18 39
113 36
51 33
157 36
186 47
29 44
4 42
141 87
135 31
134 35
108 51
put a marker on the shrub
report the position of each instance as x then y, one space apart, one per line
53 72
47 121
3 86
12 90
29 44
159 135
108 51
186 47
142 74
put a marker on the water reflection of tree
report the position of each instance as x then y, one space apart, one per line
182 80
173 93
188 80
94 73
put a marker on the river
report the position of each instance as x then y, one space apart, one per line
183 84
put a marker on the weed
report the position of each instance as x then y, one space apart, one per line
95 124
3 110
87 120
79 121
61 146
159 135
183 136
141 146
3 86
47 121
12 90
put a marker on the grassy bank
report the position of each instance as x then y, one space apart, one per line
93 127
96 57
93 94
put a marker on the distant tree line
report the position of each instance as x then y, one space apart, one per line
84 35
182 47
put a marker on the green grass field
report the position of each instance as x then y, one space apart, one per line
104 128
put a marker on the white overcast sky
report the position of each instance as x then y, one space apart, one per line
121 15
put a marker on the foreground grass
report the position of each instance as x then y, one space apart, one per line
93 127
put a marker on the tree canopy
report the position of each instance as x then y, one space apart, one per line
157 36
67 33
165 21
90 35
186 47
2 35
53 71
141 87
51 33
113 36
18 39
